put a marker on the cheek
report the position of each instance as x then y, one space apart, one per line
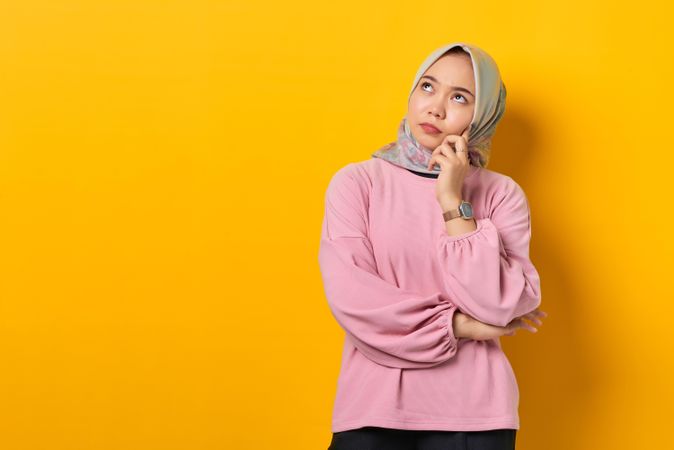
458 116
417 104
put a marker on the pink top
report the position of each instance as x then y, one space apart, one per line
393 279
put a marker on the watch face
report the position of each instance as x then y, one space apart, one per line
466 209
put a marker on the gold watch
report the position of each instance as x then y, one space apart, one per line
465 211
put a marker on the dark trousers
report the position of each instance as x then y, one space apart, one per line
376 438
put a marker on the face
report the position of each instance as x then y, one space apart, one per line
443 97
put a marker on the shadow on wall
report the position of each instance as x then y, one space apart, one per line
554 367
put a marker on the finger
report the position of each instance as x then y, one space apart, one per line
459 149
522 324
533 318
537 313
434 160
530 328
454 139
440 160
448 152
462 154
462 146
536 321
536 316
465 133
441 150
435 152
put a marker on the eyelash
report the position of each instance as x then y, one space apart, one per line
426 82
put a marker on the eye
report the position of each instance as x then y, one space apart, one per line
424 83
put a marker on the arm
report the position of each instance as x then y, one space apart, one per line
391 326
487 271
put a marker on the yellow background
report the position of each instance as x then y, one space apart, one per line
162 172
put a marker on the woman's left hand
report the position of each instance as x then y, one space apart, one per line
453 166
468 327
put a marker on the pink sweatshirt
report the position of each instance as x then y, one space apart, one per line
394 278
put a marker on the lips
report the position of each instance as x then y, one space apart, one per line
427 127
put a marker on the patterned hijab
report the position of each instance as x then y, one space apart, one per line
490 96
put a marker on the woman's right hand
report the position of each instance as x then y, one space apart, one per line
468 327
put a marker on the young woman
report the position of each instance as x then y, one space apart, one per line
424 256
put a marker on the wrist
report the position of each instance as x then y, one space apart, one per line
458 324
449 202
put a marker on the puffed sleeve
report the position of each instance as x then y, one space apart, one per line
487 272
391 326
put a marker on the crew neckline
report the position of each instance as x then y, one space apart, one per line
422 174
419 179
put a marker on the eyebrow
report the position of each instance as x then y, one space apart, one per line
457 88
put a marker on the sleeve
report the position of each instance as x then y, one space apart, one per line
487 272
391 326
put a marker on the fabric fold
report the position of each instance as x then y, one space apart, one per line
392 326
487 272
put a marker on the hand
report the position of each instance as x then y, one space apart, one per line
453 166
468 327
518 322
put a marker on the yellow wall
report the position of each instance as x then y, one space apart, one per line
162 171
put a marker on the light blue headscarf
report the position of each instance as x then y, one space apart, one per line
490 96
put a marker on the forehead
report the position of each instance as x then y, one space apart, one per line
451 69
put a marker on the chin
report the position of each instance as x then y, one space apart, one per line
430 143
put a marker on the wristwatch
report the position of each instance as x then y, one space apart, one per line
465 211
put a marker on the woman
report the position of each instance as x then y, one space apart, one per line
424 257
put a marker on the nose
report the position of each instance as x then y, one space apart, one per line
437 109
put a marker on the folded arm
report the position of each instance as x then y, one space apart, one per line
391 326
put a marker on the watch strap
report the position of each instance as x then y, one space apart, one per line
451 214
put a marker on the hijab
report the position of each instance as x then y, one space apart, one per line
490 96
